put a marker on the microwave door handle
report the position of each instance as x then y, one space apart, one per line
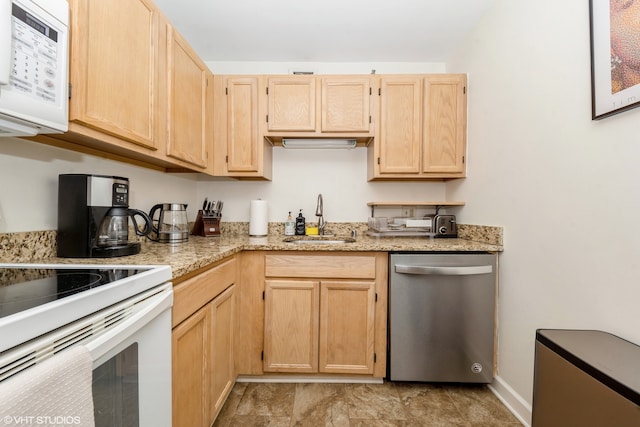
5 41
443 271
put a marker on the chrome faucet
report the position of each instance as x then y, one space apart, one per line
321 222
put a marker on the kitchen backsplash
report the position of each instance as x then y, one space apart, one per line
481 233
478 233
37 245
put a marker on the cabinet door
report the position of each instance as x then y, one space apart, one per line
400 125
221 372
114 68
347 315
291 326
189 102
445 120
346 104
190 354
242 124
292 104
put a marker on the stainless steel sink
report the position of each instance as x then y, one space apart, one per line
318 240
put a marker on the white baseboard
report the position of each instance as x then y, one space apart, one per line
512 400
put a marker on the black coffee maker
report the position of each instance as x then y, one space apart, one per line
93 217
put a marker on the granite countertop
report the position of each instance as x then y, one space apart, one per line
199 252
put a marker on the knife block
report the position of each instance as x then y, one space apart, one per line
206 225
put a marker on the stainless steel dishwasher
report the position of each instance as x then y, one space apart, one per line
441 317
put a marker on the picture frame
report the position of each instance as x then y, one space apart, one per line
615 56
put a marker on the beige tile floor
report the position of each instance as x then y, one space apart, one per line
388 404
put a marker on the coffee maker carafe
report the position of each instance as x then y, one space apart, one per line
93 217
114 229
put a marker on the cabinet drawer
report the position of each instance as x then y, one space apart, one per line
192 294
348 266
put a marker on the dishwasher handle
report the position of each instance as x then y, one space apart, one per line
444 271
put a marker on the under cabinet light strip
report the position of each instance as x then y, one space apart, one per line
318 143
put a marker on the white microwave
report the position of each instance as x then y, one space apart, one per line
34 62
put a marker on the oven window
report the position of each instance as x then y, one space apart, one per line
115 390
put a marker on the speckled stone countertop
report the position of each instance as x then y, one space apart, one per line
199 252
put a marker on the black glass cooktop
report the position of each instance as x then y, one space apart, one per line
25 288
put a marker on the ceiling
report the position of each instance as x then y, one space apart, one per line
324 30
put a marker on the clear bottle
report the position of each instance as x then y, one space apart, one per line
289 226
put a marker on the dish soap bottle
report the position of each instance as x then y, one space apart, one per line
289 226
300 224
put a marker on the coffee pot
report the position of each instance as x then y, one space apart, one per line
171 224
93 217
114 228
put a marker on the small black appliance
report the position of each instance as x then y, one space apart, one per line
93 217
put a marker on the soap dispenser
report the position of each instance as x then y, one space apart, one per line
300 224
289 226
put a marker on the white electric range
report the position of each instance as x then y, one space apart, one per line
121 313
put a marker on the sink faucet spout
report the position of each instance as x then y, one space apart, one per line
319 214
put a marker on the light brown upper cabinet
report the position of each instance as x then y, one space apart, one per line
114 75
399 136
189 94
319 106
240 149
422 128
346 105
138 94
444 124
292 104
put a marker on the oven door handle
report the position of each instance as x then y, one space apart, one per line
444 271
104 347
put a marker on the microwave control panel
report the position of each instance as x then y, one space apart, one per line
35 60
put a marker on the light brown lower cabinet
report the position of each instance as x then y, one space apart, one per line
325 313
347 315
189 369
262 312
291 326
319 326
203 345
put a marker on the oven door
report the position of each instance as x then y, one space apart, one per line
132 367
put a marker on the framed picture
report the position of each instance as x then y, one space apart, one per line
615 56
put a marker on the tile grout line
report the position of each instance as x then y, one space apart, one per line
455 404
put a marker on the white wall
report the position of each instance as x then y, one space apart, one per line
248 67
564 187
300 175
29 183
